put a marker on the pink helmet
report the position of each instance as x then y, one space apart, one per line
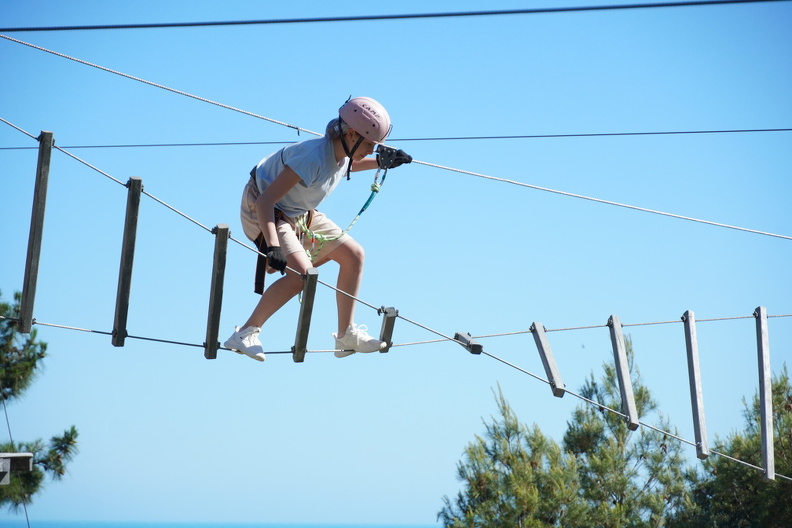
367 117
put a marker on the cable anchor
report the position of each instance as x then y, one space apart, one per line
467 341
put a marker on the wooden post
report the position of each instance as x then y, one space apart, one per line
765 392
36 231
548 360
300 347
623 373
211 344
694 377
386 332
135 187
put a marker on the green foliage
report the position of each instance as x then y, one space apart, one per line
727 493
515 477
628 479
19 355
602 475
19 360
48 459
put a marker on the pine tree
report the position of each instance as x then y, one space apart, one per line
726 493
601 475
628 479
20 357
515 477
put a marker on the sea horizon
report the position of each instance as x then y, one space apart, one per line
21 522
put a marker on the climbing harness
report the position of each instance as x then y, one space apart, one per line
386 157
318 240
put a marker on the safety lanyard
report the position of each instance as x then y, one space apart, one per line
305 228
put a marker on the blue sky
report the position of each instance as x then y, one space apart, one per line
166 435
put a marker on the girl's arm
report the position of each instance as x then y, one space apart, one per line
364 164
265 204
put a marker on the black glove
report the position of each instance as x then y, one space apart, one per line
275 258
389 158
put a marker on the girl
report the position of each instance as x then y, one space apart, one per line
279 209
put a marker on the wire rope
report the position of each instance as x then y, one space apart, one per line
515 367
289 269
461 171
168 145
398 140
146 338
367 18
602 201
163 87
625 325
669 434
8 422
100 171
12 125
445 337
194 221
597 134
492 356
427 164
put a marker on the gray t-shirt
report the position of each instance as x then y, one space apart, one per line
314 162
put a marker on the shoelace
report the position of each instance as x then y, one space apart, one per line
246 336
361 333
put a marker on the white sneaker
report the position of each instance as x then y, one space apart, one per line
356 339
246 342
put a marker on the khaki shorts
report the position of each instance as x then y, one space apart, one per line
290 237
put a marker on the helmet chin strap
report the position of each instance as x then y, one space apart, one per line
349 153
